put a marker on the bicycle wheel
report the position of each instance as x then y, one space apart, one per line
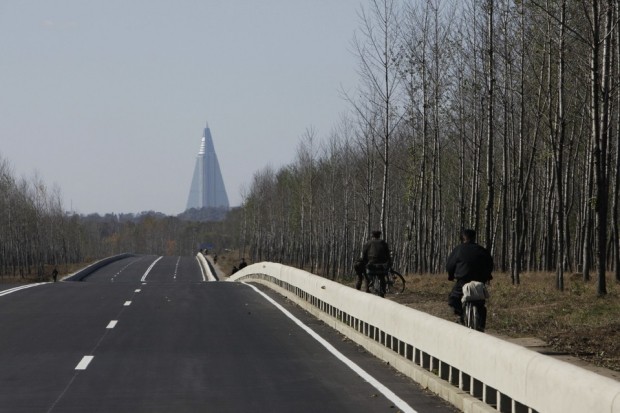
472 316
475 317
469 319
396 284
376 286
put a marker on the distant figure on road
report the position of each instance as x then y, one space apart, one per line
234 270
215 259
55 274
377 259
242 264
468 262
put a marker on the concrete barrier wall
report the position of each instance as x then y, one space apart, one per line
491 374
85 272
206 267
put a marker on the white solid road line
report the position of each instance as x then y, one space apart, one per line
82 365
21 287
389 394
112 324
176 268
150 268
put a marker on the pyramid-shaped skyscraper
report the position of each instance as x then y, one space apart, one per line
207 190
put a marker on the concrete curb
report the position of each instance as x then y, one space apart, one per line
80 275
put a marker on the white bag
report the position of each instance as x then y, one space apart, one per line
474 291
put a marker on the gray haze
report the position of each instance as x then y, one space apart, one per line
108 99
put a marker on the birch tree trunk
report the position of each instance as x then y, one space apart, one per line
559 137
602 82
616 191
490 126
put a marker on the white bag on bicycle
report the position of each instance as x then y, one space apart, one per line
475 291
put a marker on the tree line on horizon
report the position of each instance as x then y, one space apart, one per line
496 115
37 234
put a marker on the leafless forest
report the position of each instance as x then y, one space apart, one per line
36 233
498 115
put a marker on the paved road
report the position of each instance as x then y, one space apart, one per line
147 334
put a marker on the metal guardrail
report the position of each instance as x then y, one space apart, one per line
474 371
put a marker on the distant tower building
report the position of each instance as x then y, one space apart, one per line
207 190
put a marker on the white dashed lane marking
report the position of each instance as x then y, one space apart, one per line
112 324
83 364
121 270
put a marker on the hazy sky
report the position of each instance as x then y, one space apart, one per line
108 98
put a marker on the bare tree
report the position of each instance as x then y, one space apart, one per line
378 55
490 124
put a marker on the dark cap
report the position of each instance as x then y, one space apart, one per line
468 235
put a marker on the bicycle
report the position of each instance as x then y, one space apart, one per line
474 299
394 281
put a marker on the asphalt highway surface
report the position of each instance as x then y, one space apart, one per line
148 334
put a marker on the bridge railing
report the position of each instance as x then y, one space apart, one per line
206 268
81 274
474 371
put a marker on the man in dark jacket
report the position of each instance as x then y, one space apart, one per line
377 258
468 262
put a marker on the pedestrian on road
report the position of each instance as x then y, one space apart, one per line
55 274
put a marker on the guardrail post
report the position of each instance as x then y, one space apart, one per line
464 382
426 361
489 395
519 408
410 351
453 376
444 370
504 403
476 388
433 365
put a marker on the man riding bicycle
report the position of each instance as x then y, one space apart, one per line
468 262
377 259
